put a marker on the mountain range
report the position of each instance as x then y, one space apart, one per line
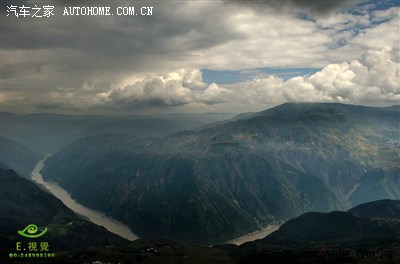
209 185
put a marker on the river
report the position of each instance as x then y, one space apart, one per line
111 224
95 217
255 235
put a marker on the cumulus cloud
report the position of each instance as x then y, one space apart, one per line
152 90
372 79
180 87
215 94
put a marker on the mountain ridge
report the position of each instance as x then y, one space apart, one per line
333 237
258 170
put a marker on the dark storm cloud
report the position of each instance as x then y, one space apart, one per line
314 6
118 34
65 50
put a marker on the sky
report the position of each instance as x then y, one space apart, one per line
198 56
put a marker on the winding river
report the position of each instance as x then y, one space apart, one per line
111 224
96 217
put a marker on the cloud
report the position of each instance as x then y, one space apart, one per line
373 79
68 51
313 6
2 98
155 90
215 94
122 61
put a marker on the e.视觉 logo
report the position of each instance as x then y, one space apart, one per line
32 249
32 231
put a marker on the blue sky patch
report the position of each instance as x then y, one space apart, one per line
210 76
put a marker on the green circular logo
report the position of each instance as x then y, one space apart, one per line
31 231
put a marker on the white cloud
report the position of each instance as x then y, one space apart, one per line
373 79
155 90
214 94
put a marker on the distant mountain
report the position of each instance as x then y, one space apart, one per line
17 156
210 185
47 133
